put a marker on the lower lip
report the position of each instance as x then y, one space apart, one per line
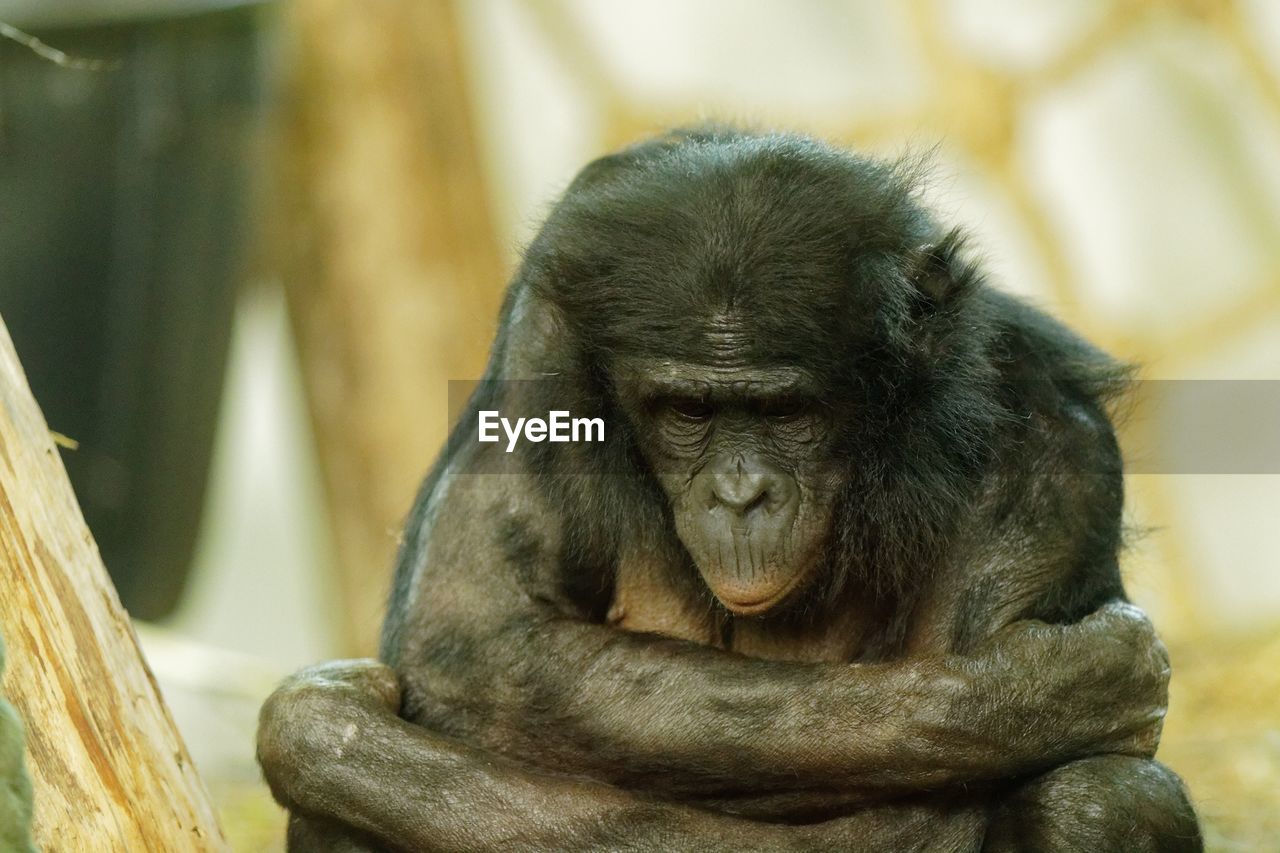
754 606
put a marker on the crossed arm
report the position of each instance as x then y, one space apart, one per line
538 727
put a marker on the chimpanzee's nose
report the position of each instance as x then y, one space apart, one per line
742 483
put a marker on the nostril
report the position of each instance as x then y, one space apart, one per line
743 485
742 496
761 500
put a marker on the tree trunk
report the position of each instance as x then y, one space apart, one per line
109 769
389 260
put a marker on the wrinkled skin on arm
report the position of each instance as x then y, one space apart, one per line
798 600
956 720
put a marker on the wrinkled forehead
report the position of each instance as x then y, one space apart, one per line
722 355
654 377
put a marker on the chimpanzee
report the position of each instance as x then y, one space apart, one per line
843 574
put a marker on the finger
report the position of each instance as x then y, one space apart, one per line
366 675
1126 624
1119 613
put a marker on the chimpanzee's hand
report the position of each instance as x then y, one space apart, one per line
1139 657
1098 686
297 721
363 679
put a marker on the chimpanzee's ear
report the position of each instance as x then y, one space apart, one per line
940 274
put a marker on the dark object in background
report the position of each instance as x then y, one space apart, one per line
122 238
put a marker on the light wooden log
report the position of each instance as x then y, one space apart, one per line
109 769
389 260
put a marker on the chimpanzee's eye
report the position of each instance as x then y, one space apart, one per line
690 408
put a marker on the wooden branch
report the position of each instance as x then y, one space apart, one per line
109 769
389 259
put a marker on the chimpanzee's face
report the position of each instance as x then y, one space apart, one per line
744 454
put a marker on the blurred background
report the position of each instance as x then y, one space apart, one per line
245 246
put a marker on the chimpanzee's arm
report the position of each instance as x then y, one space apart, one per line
494 663
384 782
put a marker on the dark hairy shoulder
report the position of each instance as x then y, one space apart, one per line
1052 506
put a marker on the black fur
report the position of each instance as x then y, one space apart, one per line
967 478
839 269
